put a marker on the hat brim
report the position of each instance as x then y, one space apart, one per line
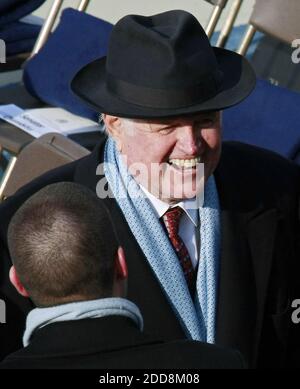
238 82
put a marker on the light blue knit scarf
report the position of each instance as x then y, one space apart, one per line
197 319
114 306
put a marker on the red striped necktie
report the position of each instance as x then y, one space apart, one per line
172 219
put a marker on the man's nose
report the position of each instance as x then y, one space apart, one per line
189 140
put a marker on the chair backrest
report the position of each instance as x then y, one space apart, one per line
276 18
43 154
50 21
280 19
268 118
13 139
48 74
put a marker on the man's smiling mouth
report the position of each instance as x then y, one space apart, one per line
185 163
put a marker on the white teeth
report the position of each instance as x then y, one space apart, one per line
185 163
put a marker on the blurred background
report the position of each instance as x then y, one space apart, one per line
113 10
262 46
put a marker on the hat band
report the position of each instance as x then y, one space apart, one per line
165 98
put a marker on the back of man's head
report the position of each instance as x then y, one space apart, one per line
63 245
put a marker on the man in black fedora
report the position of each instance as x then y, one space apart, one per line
213 253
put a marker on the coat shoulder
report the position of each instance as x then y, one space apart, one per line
258 162
248 176
171 355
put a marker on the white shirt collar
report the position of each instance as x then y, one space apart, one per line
161 207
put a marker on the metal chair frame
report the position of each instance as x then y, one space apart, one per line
214 18
229 23
250 32
7 174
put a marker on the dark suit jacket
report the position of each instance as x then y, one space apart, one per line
259 196
114 342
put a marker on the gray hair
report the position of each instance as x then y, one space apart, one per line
128 124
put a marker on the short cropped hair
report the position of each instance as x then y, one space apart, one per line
63 245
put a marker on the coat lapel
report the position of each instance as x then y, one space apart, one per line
248 231
236 312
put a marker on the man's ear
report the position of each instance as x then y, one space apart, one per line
14 279
120 275
113 126
121 270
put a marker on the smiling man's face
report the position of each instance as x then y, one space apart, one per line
163 154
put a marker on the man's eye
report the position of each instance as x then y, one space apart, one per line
166 130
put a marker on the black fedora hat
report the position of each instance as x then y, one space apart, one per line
163 66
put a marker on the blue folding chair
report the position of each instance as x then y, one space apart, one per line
78 39
268 118
17 35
